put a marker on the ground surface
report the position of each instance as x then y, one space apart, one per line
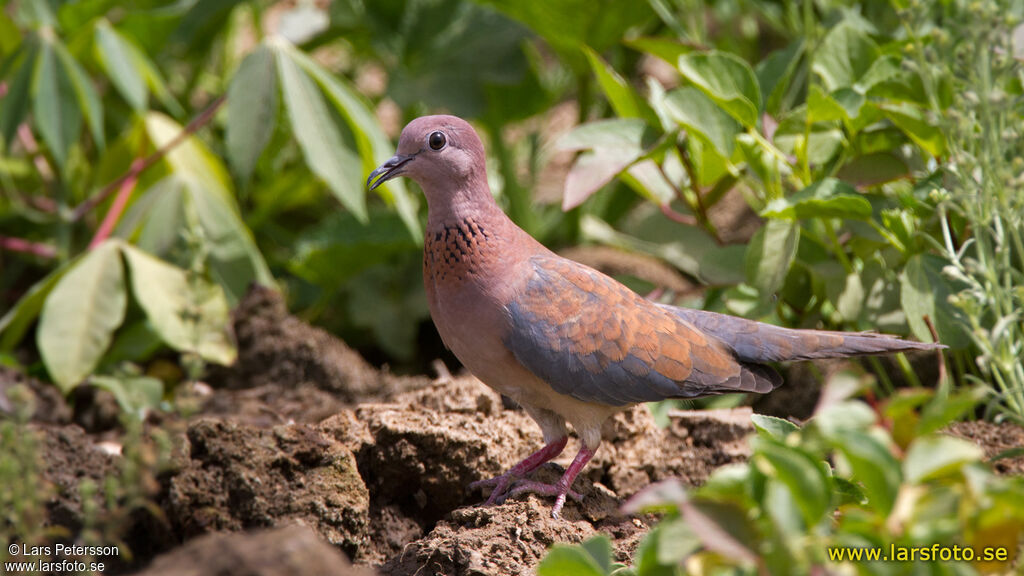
304 459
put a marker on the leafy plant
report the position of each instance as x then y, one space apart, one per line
851 478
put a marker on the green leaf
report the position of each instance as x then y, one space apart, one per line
702 118
135 395
873 465
88 100
252 110
80 315
675 542
726 79
115 53
564 560
14 105
189 315
770 254
340 247
925 291
775 73
624 100
772 427
844 56
600 549
54 108
799 472
665 48
612 145
18 319
914 123
199 185
828 198
874 169
568 24
931 457
374 145
326 153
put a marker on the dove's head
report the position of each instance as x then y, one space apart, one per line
442 154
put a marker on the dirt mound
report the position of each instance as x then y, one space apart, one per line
240 477
994 439
287 550
42 401
277 349
507 539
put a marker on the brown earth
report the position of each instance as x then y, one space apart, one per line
303 449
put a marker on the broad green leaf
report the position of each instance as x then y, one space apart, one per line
844 56
200 183
252 110
829 198
799 472
611 146
675 542
874 169
374 146
665 48
600 549
340 247
136 395
925 291
772 427
931 457
568 24
775 74
562 560
702 118
623 98
873 466
18 319
88 100
14 105
726 79
770 254
54 108
80 315
914 123
326 153
189 315
821 146
115 54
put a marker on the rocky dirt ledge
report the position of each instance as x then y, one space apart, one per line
323 453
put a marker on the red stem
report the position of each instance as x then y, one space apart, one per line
28 247
133 173
119 204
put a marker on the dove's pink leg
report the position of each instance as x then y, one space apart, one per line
528 464
559 489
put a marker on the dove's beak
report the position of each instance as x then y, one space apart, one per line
388 170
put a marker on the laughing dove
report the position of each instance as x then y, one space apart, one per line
566 342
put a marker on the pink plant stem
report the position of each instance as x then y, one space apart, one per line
120 202
198 122
28 247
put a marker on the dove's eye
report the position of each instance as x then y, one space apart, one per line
436 140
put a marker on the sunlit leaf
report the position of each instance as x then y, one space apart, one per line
925 291
935 456
54 106
327 155
829 198
115 54
726 79
252 110
189 315
799 472
770 254
701 117
374 146
844 56
80 315
623 98
135 395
